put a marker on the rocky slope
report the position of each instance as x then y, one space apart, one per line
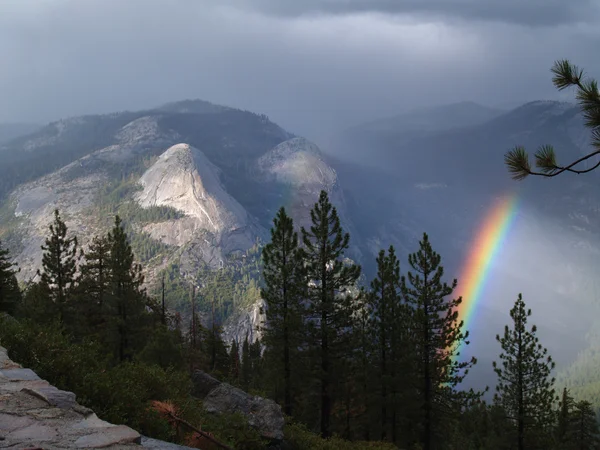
196 185
35 414
184 179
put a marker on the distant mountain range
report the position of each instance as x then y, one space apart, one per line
198 184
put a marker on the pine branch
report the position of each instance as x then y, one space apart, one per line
565 75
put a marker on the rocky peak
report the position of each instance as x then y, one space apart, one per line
299 163
184 179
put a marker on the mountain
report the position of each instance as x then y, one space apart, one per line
445 117
10 131
197 186
445 182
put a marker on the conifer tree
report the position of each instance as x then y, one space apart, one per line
127 295
437 334
59 264
283 276
10 294
564 413
234 362
246 365
583 433
256 364
525 387
331 306
94 284
360 371
385 323
216 350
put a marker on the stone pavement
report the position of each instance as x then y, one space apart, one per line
37 416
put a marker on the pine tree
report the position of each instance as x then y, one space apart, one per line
284 278
361 371
10 294
216 350
583 433
126 293
246 365
437 335
386 308
564 412
59 263
331 307
525 388
94 284
234 363
256 364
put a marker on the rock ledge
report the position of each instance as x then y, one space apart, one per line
35 414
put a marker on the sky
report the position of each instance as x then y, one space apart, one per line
313 66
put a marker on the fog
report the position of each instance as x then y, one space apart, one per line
555 269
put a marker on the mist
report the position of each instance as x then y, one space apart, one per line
313 67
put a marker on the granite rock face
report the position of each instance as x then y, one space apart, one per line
35 414
218 398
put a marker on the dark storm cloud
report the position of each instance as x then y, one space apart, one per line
522 12
312 73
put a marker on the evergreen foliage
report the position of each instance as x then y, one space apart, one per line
525 386
284 279
437 333
10 294
331 305
565 75
361 366
59 263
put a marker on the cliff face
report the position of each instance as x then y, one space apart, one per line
184 179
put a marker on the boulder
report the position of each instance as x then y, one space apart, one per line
221 398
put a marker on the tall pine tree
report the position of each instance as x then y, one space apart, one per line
331 306
525 387
59 264
437 335
127 297
386 319
94 285
283 273
583 432
10 294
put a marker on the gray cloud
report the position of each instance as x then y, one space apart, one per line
530 12
310 73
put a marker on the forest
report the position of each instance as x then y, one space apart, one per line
352 364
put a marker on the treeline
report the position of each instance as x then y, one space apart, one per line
383 362
377 363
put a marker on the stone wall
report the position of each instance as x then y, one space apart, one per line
35 415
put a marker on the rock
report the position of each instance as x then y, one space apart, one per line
34 432
203 384
262 414
11 422
93 421
35 415
118 434
244 323
183 178
20 374
53 396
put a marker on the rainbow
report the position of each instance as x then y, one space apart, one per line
484 249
